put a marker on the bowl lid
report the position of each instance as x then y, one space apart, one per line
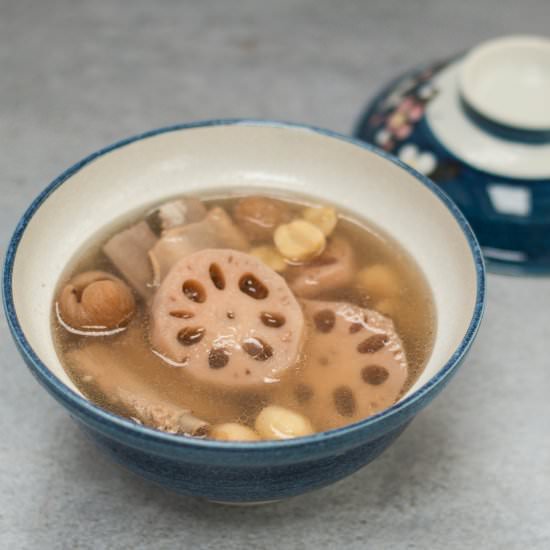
479 141
507 80
463 122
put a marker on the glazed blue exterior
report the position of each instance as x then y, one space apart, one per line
527 237
240 472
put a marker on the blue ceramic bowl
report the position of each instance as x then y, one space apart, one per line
225 155
478 124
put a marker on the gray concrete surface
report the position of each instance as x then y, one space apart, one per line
473 471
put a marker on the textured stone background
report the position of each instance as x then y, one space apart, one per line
473 471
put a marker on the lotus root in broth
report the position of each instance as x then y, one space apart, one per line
178 319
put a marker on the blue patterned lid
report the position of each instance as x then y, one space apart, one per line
479 126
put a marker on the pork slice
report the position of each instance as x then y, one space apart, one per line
227 319
216 230
355 364
333 269
128 252
222 225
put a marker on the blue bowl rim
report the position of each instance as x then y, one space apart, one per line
99 415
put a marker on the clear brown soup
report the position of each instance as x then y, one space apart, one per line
338 376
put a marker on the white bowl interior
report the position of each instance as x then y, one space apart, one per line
508 80
275 157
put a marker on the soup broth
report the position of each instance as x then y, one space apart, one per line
177 317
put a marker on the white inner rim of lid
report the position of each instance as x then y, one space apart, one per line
508 81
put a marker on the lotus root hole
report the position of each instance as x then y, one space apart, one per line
373 344
216 275
181 314
194 291
274 320
191 335
324 320
218 358
374 375
257 349
344 401
250 285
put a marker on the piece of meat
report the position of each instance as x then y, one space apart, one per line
176 213
228 319
259 216
177 243
222 225
216 230
355 364
105 369
129 249
128 252
163 416
334 268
